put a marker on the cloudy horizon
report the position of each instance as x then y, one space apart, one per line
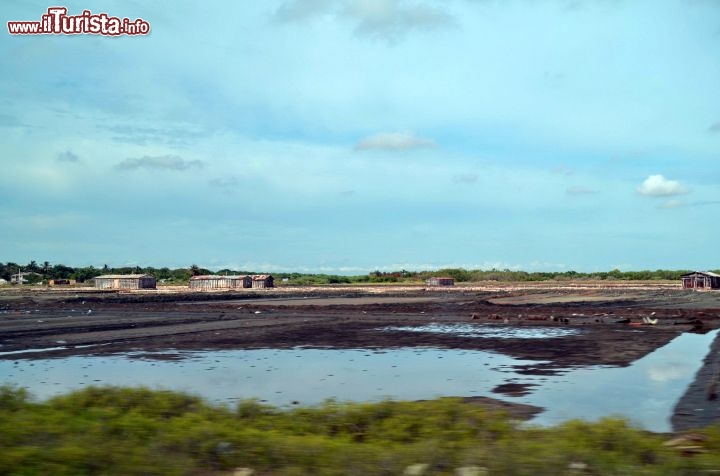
345 136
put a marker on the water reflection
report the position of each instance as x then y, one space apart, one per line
277 376
645 392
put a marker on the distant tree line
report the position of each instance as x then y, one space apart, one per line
46 271
506 275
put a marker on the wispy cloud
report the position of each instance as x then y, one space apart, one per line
225 183
164 162
659 186
465 178
387 20
561 171
299 10
580 190
6 120
393 141
670 204
67 156
714 128
178 136
391 19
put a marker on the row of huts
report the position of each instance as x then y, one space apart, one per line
696 280
148 281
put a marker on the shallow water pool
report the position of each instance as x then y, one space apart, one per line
645 392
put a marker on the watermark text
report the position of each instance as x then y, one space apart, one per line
57 22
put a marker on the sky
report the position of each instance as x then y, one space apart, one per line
346 136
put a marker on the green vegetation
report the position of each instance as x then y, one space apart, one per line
47 271
124 431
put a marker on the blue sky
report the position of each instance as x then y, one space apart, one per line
345 136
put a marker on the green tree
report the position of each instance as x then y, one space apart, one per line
60 271
83 274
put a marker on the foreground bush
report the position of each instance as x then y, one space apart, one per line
122 431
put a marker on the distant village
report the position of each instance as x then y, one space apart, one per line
148 281
698 280
200 279
202 283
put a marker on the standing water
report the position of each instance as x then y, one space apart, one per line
645 392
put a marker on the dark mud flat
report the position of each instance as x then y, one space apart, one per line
54 325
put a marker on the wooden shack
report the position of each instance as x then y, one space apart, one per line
209 282
61 282
262 281
125 281
701 280
440 281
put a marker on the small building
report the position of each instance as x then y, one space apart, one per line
219 282
262 281
23 277
125 281
61 282
701 280
440 281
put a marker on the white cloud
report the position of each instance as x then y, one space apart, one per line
659 186
393 141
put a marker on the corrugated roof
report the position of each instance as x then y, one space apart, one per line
704 273
124 276
260 277
214 276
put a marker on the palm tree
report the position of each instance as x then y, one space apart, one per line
195 270
45 267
